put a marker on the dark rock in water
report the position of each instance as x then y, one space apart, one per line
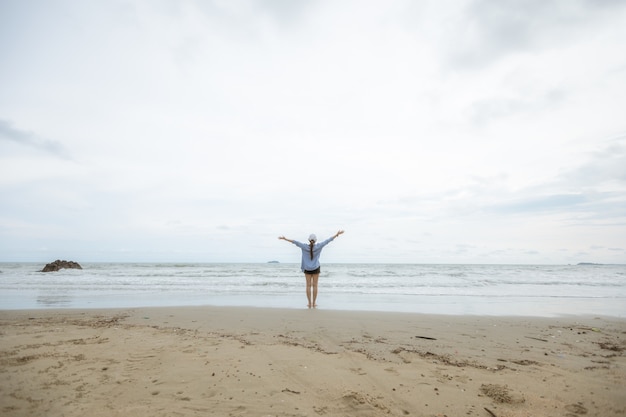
58 264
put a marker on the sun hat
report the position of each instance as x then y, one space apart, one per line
312 237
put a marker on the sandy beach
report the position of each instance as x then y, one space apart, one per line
229 361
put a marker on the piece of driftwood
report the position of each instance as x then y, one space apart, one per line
490 412
536 338
291 391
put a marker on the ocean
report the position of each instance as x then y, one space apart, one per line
502 290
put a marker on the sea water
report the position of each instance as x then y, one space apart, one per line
520 290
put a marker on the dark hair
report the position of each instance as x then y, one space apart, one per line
311 243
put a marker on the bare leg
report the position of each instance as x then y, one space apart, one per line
309 282
314 279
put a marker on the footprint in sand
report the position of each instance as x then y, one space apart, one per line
358 371
576 409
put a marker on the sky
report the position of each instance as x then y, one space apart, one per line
465 131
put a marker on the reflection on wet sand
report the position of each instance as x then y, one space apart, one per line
54 300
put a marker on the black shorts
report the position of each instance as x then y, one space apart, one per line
313 272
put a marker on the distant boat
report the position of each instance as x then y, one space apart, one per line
587 263
273 262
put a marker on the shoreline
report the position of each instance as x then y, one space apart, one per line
202 360
280 308
499 306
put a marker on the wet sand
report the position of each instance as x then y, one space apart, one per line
231 361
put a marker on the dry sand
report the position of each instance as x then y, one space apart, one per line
200 361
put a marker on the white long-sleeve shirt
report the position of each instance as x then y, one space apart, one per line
307 263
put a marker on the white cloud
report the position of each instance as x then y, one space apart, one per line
9 133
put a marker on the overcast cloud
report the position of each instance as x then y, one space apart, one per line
431 131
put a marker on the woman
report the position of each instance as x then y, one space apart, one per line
310 264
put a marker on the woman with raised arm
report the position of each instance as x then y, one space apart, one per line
310 264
